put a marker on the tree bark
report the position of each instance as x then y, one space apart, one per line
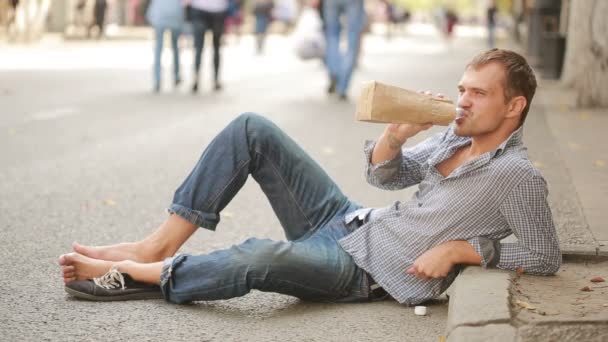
586 59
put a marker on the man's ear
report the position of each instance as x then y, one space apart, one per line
516 106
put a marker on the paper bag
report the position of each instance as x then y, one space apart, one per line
384 103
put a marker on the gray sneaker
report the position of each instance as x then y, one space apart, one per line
113 286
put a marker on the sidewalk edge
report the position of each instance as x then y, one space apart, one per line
480 306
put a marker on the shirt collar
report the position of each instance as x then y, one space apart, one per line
515 139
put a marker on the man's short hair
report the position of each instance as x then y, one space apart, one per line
519 77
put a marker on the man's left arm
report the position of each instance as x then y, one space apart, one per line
537 251
527 212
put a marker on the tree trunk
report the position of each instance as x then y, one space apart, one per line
586 60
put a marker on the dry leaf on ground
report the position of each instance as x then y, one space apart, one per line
597 280
586 289
524 305
109 202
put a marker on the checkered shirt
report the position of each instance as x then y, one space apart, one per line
483 201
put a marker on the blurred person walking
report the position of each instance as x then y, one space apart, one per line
166 15
285 12
340 66
207 15
491 23
263 15
11 20
99 17
234 17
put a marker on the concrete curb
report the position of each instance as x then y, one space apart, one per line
571 249
479 308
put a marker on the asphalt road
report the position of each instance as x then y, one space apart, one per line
88 153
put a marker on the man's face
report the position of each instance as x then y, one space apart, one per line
482 96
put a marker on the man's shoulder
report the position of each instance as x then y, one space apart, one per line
517 165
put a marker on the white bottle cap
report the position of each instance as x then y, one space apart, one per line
420 310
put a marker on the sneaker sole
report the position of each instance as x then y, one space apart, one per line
130 296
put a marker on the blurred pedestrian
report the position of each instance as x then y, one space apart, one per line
263 16
450 21
99 17
285 12
166 15
79 14
340 66
11 19
234 17
207 15
491 23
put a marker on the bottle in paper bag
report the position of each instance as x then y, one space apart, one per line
384 103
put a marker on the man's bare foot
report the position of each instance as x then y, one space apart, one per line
76 266
118 252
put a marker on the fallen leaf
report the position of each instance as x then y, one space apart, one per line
583 115
519 271
109 202
547 313
328 151
441 338
574 146
538 165
524 305
599 163
597 280
586 289
606 305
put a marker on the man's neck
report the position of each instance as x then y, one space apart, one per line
481 144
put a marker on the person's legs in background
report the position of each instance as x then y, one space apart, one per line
332 10
261 27
158 53
355 17
217 28
199 26
175 33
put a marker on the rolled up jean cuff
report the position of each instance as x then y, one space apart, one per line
167 271
199 218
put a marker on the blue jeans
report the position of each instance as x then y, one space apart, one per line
340 65
309 205
158 50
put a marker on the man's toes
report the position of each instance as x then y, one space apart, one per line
63 260
67 270
78 248
68 259
68 279
85 250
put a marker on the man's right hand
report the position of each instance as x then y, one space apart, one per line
395 135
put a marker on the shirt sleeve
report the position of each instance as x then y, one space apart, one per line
528 215
406 169
488 249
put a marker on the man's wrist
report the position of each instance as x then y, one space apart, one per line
392 142
462 252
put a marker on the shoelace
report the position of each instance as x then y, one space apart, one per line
111 280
